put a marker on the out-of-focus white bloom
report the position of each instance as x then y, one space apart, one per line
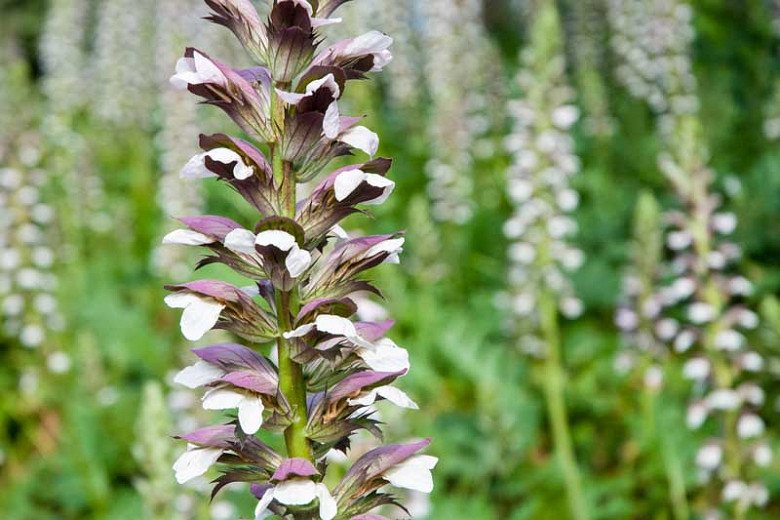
709 456
697 369
750 426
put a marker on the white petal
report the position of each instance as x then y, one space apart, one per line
199 317
196 168
291 98
328 506
241 241
397 396
265 501
199 374
347 182
241 171
339 232
180 300
378 181
321 22
222 399
392 245
297 261
413 473
361 138
331 122
328 81
187 237
386 356
281 240
295 492
185 64
299 332
366 400
381 60
250 414
336 325
206 70
195 462
370 42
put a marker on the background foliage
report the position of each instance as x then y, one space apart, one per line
73 448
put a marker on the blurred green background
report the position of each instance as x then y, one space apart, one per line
85 417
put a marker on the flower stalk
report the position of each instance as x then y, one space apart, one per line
306 273
543 160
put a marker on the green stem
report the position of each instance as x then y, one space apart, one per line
291 379
673 469
556 408
292 384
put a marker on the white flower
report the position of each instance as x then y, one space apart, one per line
196 166
571 307
200 374
385 356
241 241
724 399
751 393
697 369
667 328
394 395
678 240
684 340
747 319
734 490
298 492
195 71
740 286
699 312
683 288
709 456
654 377
348 181
413 473
195 462
724 223
250 406
752 361
565 116
297 260
200 313
187 237
330 324
361 138
626 319
762 455
372 42
729 340
758 494
392 246
697 414
750 426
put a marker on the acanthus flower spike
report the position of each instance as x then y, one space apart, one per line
330 370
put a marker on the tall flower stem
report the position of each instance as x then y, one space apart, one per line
292 383
672 466
556 407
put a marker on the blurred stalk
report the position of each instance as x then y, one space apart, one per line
554 393
672 464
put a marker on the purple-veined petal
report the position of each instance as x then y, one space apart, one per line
295 467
